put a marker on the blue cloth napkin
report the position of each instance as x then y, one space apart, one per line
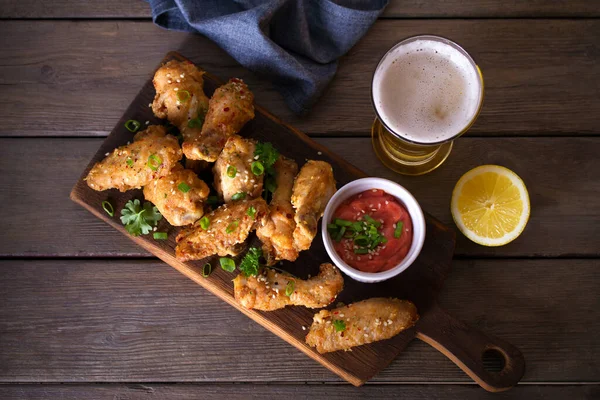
294 43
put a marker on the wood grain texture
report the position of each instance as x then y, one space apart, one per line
396 9
420 285
142 321
65 78
36 176
308 392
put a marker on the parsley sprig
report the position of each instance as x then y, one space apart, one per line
138 219
364 233
251 262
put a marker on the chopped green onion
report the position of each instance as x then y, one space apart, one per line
183 96
398 230
342 222
160 235
110 210
289 288
154 162
204 223
184 187
130 161
212 200
361 251
231 171
340 234
332 226
361 240
132 125
371 221
251 212
339 325
227 264
206 270
257 168
238 196
232 226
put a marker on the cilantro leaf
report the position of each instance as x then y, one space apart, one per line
339 325
250 264
267 154
139 219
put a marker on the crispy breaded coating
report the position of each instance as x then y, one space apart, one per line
152 154
229 109
360 323
179 93
229 227
277 233
313 188
178 196
233 172
267 291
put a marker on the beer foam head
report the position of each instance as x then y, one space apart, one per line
426 91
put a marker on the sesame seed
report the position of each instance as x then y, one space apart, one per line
303 328
107 154
175 89
149 104
147 122
182 75
178 81
366 335
319 153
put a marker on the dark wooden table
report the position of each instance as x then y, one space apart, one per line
84 313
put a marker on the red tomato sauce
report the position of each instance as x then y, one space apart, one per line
386 209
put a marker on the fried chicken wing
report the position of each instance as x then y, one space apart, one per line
313 188
277 233
178 196
179 93
360 323
267 291
230 107
233 172
229 227
152 154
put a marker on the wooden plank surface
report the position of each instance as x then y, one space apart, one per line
142 321
66 78
333 392
396 9
36 176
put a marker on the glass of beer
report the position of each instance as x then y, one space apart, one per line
426 91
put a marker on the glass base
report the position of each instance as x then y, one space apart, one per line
404 157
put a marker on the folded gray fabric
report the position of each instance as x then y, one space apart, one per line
294 43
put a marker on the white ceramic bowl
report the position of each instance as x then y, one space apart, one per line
404 196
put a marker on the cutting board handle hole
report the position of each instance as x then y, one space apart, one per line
494 360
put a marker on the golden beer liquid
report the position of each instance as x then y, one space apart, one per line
408 157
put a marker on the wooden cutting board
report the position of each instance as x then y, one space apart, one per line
420 283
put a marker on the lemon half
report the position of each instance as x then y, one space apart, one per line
490 205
